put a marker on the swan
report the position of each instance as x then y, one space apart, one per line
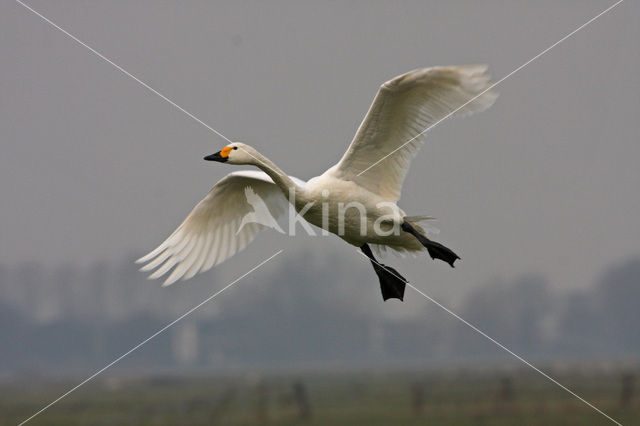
355 199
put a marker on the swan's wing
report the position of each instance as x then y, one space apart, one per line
209 235
403 108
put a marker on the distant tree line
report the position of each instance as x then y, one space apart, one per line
67 319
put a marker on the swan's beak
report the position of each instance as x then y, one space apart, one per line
216 157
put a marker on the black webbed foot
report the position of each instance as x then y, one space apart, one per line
392 283
436 250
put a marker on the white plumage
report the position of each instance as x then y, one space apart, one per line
401 111
211 233
404 108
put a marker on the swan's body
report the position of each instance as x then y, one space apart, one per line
342 193
370 174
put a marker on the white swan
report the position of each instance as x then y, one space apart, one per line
356 199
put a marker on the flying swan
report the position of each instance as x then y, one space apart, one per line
355 199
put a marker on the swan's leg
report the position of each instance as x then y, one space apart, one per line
436 250
392 283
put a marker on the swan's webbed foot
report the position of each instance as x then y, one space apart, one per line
436 250
392 283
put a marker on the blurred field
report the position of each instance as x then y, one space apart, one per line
389 398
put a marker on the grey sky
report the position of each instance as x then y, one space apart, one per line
95 167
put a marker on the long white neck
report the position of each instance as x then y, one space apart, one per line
281 179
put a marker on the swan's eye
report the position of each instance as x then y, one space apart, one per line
235 147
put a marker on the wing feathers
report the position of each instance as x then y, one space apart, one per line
201 257
157 261
209 235
187 261
394 128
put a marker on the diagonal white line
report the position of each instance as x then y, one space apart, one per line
265 261
449 311
123 70
495 84
149 338
136 79
476 329
482 333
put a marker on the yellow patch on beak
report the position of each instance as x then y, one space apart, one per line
224 152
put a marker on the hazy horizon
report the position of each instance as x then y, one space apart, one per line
538 195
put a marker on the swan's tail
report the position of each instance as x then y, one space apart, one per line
427 229
416 219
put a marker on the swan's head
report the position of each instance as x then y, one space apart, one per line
234 153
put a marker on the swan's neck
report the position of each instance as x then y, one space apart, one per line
281 179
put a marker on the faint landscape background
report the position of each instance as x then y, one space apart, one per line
67 319
539 196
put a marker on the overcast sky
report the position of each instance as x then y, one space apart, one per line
96 167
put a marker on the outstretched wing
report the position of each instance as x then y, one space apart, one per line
404 108
209 235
